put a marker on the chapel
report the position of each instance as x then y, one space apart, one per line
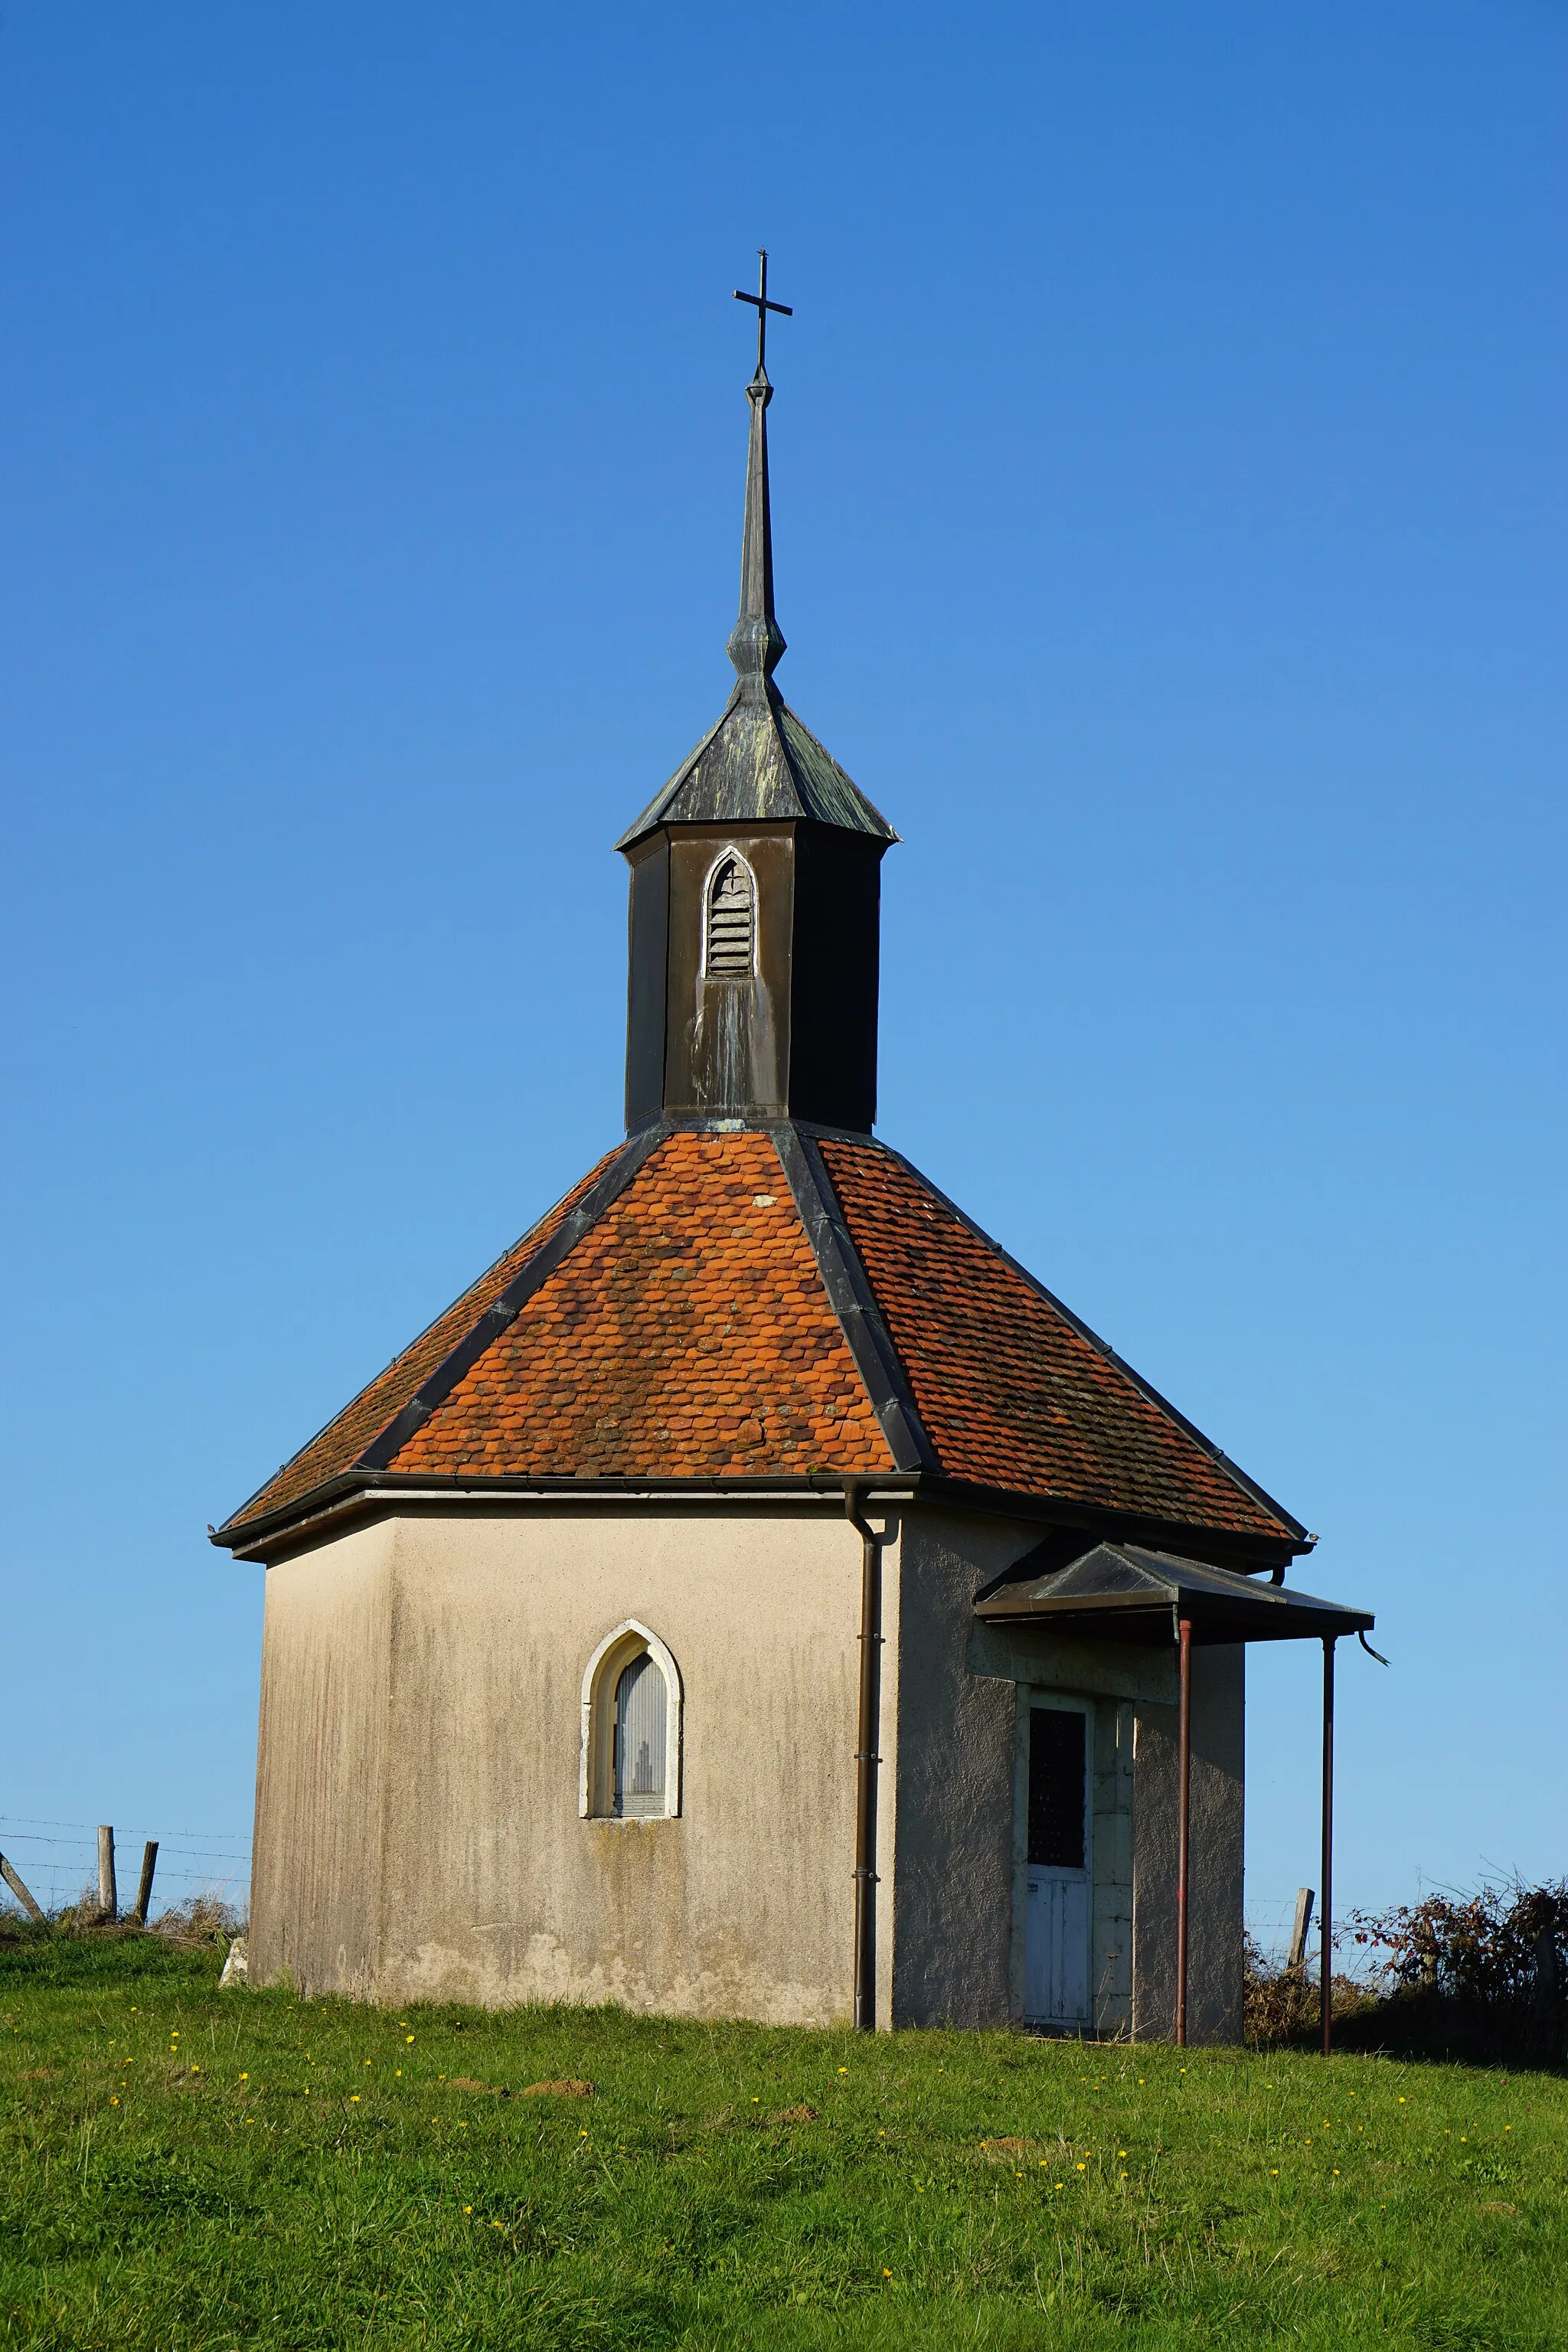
758 1595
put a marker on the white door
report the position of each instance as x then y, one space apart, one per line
1059 1877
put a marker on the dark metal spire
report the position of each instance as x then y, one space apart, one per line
756 642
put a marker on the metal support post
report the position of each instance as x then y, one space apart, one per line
1183 1807
1326 1906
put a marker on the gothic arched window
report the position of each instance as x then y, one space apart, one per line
631 1728
731 944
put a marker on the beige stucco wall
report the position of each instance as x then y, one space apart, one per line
1215 1867
417 1833
441 1658
315 1894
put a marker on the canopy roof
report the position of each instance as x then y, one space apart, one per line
1122 1591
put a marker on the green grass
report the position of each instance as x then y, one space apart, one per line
181 2167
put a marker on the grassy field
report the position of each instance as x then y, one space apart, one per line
184 2167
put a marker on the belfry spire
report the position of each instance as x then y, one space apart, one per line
756 640
754 888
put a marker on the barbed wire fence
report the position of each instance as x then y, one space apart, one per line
59 1860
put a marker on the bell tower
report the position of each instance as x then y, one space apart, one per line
756 889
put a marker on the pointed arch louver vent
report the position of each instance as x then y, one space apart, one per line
731 921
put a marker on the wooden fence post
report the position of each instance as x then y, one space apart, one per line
13 1882
145 1892
108 1901
1301 1928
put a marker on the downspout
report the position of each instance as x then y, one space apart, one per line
866 1757
1184 1819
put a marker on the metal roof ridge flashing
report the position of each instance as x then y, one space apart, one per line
235 1520
651 817
853 1299
508 1303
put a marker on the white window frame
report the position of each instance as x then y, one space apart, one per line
712 875
629 1639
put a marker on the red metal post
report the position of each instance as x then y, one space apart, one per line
1326 1905
1184 1778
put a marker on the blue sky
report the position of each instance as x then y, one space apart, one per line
1169 491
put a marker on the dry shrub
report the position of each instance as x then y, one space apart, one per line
1281 2005
204 1918
1480 1975
1494 1946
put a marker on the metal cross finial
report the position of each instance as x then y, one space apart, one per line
760 303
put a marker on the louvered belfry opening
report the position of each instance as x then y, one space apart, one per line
731 921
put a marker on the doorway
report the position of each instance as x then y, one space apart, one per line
1059 1877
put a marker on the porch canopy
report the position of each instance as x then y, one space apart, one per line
1128 1594
1120 1591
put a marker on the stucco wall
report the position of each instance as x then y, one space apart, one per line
952 1894
479 1881
316 1868
963 1729
963 1725
1215 1880
417 1833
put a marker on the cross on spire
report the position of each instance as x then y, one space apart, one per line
760 303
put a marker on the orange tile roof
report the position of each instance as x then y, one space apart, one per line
692 1330
1011 1392
686 1336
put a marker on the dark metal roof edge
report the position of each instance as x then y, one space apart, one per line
352 1492
853 1300
935 1490
1238 1477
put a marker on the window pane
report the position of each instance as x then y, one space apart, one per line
1056 1756
639 1738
